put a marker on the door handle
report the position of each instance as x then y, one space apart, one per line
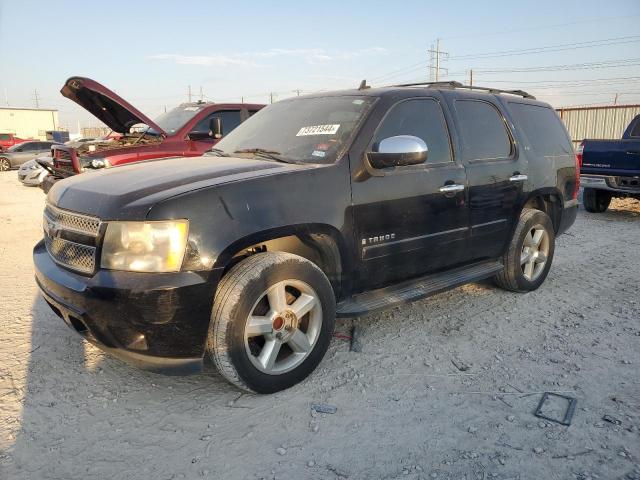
518 178
451 188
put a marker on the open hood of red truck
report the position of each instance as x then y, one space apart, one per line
115 112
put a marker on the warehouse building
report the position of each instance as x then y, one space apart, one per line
28 122
595 123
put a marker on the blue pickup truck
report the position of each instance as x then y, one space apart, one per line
610 168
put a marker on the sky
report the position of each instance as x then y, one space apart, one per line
564 52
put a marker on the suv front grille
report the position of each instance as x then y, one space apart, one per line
71 238
70 254
73 221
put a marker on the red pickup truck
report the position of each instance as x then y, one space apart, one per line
184 131
9 140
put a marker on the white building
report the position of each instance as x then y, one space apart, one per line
28 122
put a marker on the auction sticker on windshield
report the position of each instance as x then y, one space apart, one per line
318 130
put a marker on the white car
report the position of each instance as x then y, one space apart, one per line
31 173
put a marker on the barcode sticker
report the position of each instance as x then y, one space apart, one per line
318 130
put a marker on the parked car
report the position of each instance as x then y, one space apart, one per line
9 140
31 173
610 168
22 152
333 204
184 131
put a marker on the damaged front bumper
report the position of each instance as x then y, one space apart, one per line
157 322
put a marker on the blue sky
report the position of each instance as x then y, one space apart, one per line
149 52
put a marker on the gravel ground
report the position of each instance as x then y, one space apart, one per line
404 409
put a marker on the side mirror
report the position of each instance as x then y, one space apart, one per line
398 151
215 128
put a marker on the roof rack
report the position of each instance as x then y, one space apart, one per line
454 85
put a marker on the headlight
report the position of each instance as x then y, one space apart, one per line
145 246
35 166
99 163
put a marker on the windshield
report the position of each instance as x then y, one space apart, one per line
173 120
302 130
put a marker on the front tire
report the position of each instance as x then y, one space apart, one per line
596 201
5 164
272 321
529 255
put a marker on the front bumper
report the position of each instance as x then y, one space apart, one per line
32 178
157 322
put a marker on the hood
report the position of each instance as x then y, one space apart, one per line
128 192
112 110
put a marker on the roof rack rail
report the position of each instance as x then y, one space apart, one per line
453 84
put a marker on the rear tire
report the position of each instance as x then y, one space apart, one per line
272 321
596 201
5 164
529 255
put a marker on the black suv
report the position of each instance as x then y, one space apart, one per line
335 204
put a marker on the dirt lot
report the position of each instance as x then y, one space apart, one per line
404 410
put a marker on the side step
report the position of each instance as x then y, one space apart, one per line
416 289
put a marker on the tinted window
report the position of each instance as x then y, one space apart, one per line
636 130
26 146
421 118
230 120
483 132
543 129
5 136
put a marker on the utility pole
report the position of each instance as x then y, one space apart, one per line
436 56
201 95
615 99
241 99
297 90
471 78
271 97
189 92
36 98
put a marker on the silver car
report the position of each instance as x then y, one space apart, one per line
23 152
31 173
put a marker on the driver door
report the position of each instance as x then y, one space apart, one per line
411 220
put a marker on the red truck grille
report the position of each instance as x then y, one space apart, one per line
64 161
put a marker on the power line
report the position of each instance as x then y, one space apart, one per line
542 27
625 62
551 48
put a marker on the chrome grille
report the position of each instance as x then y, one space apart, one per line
79 254
73 221
74 255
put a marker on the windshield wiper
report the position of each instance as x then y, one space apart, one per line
264 153
218 152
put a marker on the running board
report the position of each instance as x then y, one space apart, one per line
416 289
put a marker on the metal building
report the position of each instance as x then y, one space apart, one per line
28 122
597 122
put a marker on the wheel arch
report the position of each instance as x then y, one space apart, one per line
319 243
549 201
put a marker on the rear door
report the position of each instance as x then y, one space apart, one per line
405 224
496 173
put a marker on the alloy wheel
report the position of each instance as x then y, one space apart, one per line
535 252
283 327
4 164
